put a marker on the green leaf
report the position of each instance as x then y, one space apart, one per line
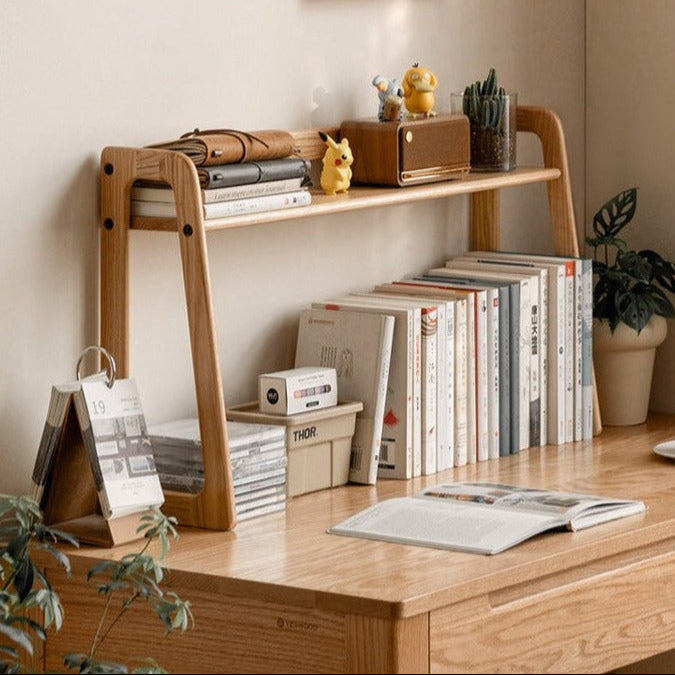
635 265
635 308
663 271
23 581
616 213
17 636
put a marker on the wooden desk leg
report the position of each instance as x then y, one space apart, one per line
388 645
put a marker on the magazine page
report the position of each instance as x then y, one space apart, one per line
576 510
482 518
447 523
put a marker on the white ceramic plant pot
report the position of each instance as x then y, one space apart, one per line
624 364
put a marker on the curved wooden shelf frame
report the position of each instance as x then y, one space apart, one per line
214 506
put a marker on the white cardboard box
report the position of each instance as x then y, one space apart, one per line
287 392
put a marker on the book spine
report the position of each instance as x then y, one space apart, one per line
569 352
504 372
446 457
461 384
535 375
493 334
556 352
382 379
236 207
587 350
417 393
210 195
525 360
578 348
429 401
482 396
441 386
471 377
543 356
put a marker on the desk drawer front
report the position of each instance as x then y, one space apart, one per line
593 623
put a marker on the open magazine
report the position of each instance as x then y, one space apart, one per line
481 517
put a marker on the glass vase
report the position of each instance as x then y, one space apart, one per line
493 129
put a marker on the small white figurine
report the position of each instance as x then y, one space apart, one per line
390 93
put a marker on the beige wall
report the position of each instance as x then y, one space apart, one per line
631 134
79 75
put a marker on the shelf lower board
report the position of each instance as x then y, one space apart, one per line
366 197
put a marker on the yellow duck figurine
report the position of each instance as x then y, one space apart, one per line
419 85
336 173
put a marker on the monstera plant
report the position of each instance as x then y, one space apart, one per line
630 308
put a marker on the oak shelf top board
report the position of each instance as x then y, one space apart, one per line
360 197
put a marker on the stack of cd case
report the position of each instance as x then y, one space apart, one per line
257 455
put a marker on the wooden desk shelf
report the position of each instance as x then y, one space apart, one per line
214 506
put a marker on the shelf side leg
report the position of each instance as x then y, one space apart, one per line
485 221
117 167
215 508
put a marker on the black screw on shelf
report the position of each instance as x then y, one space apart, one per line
187 230
108 168
108 223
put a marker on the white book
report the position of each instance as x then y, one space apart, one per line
503 325
480 359
537 329
491 311
522 342
402 422
464 373
234 207
587 350
210 195
482 518
555 334
434 437
573 332
358 345
446 365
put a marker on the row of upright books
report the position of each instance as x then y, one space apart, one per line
489 355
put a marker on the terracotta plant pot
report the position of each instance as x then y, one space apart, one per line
624 364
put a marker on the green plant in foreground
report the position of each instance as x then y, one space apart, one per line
628 287
484 103
137 576
24 589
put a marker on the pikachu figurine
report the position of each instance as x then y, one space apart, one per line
336 173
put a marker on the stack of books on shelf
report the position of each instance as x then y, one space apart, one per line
239 173
257 456
491 354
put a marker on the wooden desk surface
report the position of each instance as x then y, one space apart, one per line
288 559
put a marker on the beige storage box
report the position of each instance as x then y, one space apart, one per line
318 443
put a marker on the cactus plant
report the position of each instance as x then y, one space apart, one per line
485 103
492 117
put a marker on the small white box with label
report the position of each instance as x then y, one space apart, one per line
297 390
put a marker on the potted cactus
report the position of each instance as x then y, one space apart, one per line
492 115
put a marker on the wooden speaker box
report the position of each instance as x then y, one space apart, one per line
408 152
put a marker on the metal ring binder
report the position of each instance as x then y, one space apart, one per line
109 370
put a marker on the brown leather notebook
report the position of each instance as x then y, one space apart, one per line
230 146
